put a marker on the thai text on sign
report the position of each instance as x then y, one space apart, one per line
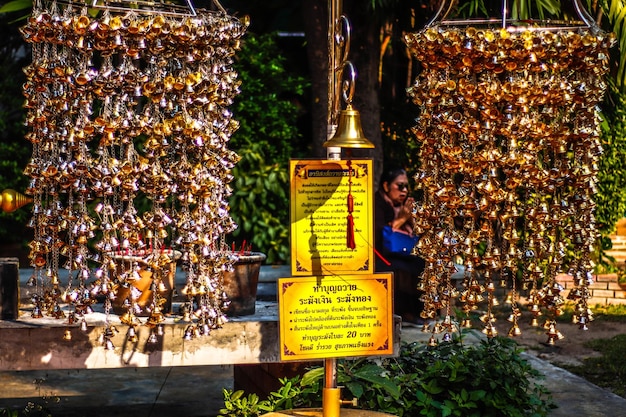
335 316
320 190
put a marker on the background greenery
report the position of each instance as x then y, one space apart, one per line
274 108
15 151
267 109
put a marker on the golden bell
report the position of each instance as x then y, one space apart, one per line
515 331
349 133
466 323
11 200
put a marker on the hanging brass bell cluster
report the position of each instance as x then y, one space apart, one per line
125 104
509 134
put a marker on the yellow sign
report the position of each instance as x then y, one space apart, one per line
331 203
335 316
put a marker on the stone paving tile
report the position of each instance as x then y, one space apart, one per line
575 396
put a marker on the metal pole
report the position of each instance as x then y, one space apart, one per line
334 11
330 374
331 394
334 8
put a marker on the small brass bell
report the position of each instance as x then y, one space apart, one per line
349 133
188 333
186 316
37 314
509 298
490 330
71 318
108 344
515 331
161 287
132 335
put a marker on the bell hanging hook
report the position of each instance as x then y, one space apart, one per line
347 85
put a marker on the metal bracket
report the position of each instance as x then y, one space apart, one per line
146 6
585 20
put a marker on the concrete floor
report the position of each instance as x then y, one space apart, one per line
137 392
197 391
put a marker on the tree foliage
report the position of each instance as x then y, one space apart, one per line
15 150
267 110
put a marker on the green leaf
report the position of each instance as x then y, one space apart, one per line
433 387
236 395
384 383
16 5
355 388
312 376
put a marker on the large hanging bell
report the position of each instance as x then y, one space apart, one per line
349 133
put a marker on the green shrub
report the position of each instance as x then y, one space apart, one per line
15 151
294 393
450 379
31 410
267 113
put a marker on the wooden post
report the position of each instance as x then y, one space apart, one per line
9 288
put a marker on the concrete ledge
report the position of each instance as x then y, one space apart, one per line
32 344
29 344
38 344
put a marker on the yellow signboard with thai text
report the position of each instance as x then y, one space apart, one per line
331 217
335 316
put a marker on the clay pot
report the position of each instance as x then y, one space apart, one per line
241 284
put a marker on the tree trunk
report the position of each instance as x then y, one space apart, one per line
364 55
315 16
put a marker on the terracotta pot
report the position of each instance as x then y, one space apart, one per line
143 284
241 284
